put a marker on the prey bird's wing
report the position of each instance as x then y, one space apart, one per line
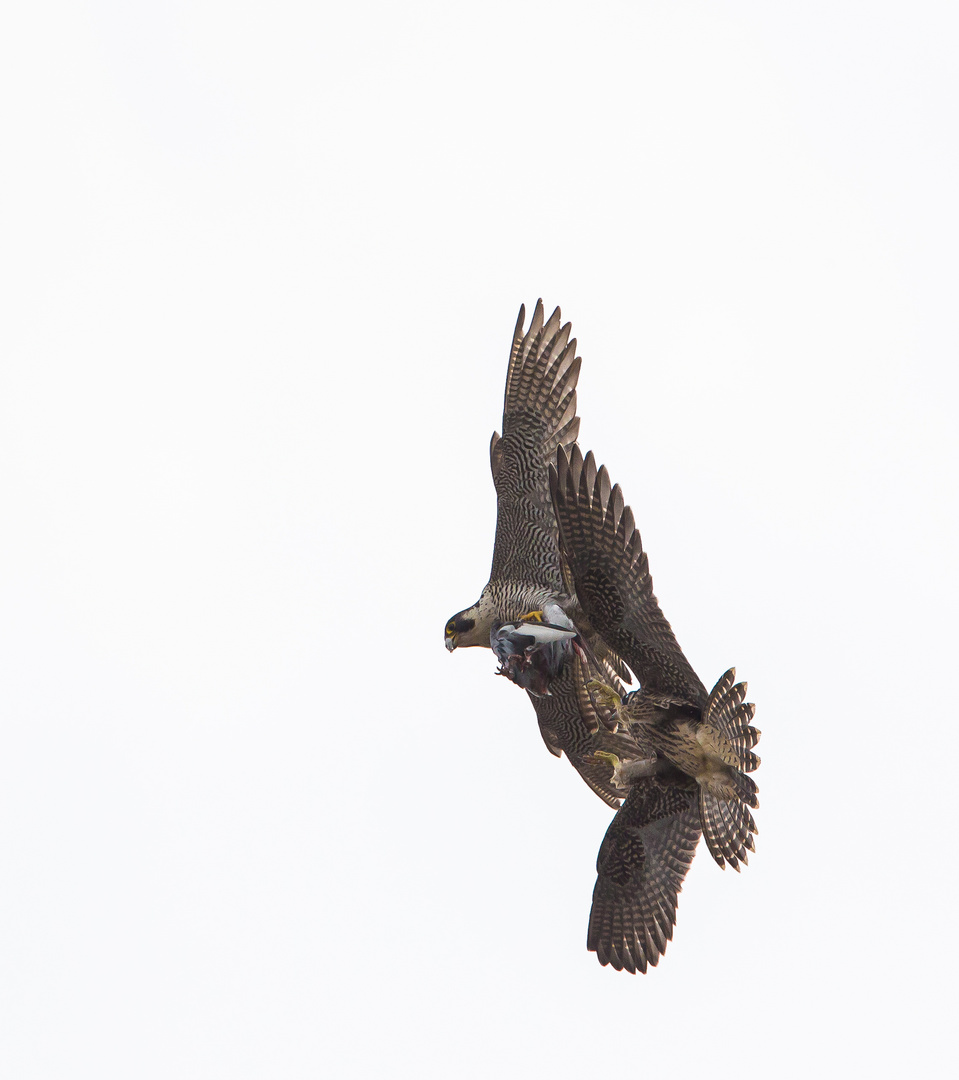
645 855
539 417
604 552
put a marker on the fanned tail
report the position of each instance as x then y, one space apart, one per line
726 795
728 827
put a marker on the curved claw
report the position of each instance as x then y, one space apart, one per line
604 694
607 698
625 772
599 756
605 757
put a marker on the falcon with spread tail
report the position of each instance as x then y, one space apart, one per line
699 744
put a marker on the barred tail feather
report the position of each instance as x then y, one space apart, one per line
728 716
728 827
745 788
727 822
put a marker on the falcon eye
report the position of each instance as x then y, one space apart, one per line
450 629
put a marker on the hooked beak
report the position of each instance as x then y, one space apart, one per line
450 642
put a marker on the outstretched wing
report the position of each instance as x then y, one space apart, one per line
645 855
539 416
603 549
570 725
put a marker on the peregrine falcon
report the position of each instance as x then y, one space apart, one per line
569 610
708 737
700 743
526 588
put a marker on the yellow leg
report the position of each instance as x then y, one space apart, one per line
605 694
607 698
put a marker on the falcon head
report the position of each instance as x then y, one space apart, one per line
471 625
458 630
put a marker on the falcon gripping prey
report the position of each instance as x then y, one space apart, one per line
569 611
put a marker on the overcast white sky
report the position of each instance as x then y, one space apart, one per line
262 262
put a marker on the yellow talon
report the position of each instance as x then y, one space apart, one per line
607 698
626 772
609 758
618 779
605 694
532 616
